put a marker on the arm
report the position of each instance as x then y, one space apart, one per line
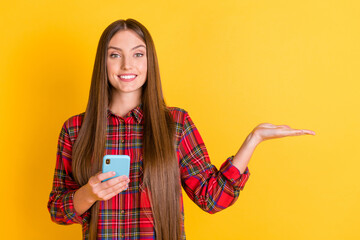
214 190
61 200
211 189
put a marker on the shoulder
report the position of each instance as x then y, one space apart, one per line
74 121
179 114
177 110
72 125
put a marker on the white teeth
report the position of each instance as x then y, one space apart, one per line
127 76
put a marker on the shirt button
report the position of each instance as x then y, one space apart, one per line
122 235
123 141
122 211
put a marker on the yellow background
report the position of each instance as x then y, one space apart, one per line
231 65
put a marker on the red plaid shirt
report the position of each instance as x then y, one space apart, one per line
128 215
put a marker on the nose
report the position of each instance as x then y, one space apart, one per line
126 63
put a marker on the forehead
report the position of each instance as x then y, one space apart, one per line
125 39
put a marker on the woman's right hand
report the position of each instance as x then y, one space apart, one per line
96 190
102 191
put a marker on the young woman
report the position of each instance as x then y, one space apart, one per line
127 115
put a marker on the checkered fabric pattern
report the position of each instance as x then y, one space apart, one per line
128 215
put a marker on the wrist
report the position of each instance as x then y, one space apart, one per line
83 200
253 139
84 195
87 194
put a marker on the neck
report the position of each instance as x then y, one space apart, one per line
122 103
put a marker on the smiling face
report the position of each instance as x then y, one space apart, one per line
126 62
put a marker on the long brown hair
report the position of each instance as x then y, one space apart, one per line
161 169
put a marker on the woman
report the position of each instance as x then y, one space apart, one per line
126 114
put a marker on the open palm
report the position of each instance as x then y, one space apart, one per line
267 131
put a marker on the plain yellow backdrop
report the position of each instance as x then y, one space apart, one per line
231 65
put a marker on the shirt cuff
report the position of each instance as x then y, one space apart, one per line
69 209
233 175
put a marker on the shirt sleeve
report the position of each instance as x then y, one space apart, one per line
61 205
211 189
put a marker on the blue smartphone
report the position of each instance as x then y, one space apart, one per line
120 164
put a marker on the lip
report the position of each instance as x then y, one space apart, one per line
127 80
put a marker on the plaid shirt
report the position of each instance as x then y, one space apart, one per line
128 215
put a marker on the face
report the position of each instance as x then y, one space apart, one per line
126 62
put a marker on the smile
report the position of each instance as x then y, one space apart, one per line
127 77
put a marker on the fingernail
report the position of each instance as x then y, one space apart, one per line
113 173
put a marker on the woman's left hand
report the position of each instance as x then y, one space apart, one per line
267 131
261 133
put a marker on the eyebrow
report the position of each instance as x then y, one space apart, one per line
131 49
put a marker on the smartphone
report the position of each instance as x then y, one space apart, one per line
120 164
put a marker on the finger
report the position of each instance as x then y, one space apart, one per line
284 126
285 132
297 132
114 181
309 132
112 194
112 191
267 125
99 177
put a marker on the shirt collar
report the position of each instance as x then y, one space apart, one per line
137 113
